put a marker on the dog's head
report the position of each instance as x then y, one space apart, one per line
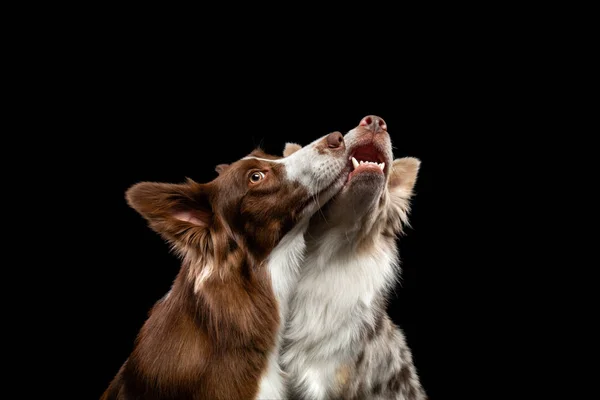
248 207
376 195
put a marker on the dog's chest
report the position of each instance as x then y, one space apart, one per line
338 292
334 300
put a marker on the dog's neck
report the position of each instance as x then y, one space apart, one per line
349 222
232 311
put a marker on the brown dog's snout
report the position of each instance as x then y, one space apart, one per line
335 140
373 123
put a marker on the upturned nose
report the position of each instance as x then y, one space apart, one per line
373 123
335 140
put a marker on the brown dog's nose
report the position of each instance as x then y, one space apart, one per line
373 123
335 140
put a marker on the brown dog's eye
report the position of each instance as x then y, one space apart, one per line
256 177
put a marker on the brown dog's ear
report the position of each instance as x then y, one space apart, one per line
221 168
291 148
181 213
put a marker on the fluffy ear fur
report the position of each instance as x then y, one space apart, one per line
291 148
221 168
181 213
403 177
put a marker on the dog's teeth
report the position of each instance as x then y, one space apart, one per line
356 163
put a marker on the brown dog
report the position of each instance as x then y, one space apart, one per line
212 336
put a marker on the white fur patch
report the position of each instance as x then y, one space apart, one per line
315 380
272 384
278 161
206 273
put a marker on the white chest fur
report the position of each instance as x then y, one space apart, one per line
329 307
284 263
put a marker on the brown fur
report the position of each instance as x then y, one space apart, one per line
210 336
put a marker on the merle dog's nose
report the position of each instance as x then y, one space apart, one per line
335 140
373 123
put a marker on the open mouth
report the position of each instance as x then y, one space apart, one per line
367 158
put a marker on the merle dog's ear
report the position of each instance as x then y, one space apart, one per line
180 213
291 148
221 168
403 176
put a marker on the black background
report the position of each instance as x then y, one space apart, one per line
489 98
152 110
